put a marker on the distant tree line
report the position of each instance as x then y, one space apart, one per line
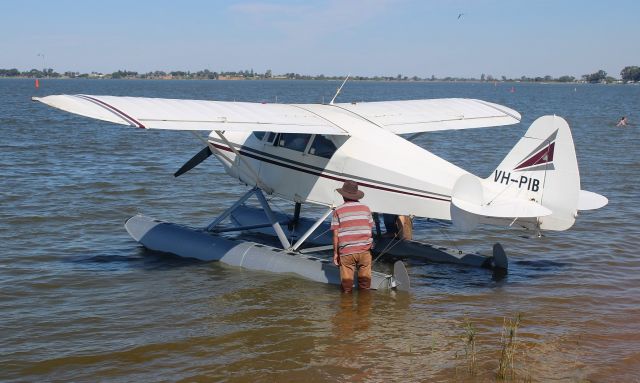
32 73
628 74
599 76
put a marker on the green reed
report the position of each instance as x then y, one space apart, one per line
470 334
509 345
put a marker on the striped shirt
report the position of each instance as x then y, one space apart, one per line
353 222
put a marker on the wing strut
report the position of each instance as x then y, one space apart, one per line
247 164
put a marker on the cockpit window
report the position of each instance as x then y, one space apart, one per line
259 135
294 141
322 147
270 137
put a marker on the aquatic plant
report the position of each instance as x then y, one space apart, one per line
509 343
470 346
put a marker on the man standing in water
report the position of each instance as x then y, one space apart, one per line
351 225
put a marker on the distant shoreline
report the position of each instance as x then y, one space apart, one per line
628 74
469 81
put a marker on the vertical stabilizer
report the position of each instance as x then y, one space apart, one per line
542 167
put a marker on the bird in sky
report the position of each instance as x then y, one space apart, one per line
460 15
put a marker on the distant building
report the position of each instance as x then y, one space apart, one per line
223 77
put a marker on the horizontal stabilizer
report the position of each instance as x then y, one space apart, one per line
505 208
470 202
590 201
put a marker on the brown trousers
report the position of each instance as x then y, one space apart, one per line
348 264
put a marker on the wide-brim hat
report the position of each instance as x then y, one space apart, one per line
350 190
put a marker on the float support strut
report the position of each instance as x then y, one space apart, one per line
272 219
311 229
230 210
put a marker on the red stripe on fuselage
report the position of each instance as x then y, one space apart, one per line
323 175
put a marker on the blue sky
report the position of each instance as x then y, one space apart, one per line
377 37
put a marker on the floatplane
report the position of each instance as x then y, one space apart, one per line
303 152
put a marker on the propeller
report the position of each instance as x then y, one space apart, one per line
194 161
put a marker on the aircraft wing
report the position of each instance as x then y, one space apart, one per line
413 116
172 114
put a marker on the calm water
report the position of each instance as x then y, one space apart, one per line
81 301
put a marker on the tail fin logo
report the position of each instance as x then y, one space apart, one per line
540 158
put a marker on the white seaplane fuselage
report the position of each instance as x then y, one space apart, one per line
396 175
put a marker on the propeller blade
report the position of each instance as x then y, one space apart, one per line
194 161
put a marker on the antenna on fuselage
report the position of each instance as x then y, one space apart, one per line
339 89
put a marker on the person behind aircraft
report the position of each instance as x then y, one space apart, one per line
398 226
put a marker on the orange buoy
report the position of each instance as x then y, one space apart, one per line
37 84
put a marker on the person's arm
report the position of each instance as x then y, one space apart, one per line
399 227
405 226
336 256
